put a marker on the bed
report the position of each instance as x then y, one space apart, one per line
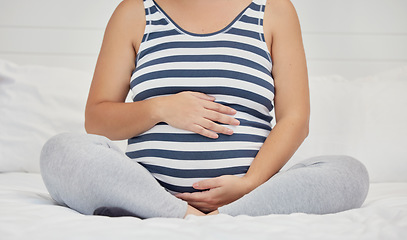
27 212
358 108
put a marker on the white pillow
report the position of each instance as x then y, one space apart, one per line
364 118
384 127
37 102
334 104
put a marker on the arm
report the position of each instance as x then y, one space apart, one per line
107 114
292 113
292 96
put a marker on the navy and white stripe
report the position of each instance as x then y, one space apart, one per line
233 65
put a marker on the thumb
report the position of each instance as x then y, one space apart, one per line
207 184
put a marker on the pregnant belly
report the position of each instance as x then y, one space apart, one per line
178 158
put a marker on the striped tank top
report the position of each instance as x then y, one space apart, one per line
233 65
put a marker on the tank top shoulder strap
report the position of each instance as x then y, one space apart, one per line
258 7
156 22
150 10
256 16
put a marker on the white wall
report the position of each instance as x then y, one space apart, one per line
353 37
348 37
54 32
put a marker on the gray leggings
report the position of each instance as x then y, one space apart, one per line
85 172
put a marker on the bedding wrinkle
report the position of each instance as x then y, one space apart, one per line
23 213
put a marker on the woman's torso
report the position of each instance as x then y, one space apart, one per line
233 65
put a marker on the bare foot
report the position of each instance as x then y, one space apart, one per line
193 211
216 212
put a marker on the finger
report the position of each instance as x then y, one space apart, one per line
221 118
203 196
196 128
186 197
217 107
207 184
181 195
203 96
210 125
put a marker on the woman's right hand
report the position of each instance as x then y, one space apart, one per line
198 113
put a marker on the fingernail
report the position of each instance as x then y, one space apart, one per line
236 122
229 131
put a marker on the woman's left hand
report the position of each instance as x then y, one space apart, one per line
219 191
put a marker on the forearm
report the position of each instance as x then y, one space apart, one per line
191 111
280 145
118 121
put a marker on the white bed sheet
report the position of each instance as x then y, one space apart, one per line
28 212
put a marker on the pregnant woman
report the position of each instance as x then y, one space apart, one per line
220 104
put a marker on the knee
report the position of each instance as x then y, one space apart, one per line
359 171
355 177
349 175
64 149
53 164
54 150
358 167
353 167
63 155
342 163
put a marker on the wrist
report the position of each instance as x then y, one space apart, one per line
157 109
249 183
